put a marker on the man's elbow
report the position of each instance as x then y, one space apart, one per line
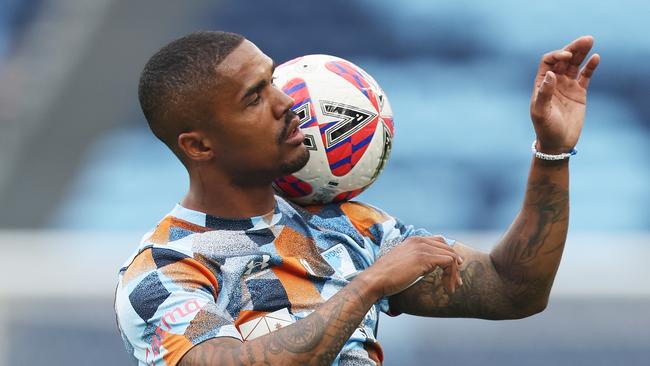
531 309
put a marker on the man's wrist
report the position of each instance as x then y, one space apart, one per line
545 153
367 288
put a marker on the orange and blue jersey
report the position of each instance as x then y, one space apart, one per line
196 277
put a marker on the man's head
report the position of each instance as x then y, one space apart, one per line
209 97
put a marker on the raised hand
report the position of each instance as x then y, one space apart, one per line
558 103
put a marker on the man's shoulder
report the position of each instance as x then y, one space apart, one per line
167 237
172 228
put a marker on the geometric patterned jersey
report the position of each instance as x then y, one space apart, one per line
196 277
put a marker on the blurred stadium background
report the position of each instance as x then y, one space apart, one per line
81 177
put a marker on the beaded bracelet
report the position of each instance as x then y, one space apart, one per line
543 156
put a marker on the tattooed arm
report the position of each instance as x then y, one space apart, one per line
514 280
318 338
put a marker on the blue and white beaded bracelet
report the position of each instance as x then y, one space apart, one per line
541 155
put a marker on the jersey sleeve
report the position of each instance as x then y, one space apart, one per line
381 231
166 303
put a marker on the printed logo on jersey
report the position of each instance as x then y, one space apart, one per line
257 265
265 324
339 258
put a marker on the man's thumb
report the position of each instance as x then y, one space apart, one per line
544 95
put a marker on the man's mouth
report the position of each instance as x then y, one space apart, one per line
294 134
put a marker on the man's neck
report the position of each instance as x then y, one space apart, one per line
227 200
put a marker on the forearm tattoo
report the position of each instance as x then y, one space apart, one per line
529 255
315 340
478 297
516 278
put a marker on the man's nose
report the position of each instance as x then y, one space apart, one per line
283 104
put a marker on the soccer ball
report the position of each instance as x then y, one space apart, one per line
348 127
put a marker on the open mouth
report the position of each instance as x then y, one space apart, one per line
294 135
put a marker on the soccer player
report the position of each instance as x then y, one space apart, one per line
235 275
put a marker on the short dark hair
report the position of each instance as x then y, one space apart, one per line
174 84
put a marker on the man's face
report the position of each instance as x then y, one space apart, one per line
256 134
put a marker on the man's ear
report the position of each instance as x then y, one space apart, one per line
195 146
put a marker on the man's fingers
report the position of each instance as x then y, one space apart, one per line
450 273
438 243
588 70
544 96
579 48
562 65
552 61
451 277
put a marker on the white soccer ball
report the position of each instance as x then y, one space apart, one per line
348 127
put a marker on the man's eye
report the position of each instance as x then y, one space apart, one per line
256 101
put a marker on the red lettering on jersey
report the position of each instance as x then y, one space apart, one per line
183 310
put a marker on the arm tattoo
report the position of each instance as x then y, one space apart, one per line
478 297
315 340
548 206
530 252
515 279
223 353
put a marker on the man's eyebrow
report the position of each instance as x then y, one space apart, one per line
258 86
254 89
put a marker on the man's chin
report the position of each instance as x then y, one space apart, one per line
296 164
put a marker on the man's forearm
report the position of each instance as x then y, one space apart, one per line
314 340
529 254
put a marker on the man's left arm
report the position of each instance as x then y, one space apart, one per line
514 280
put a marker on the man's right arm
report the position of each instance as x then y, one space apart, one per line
318 338
314 340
